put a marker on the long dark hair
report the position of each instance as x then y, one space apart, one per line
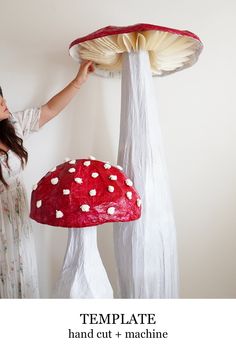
9 138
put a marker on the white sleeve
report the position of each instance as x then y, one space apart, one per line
28 120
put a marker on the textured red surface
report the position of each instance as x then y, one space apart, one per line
139 27
52 197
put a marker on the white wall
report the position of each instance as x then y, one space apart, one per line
197 112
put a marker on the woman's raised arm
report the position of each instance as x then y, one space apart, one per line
58 102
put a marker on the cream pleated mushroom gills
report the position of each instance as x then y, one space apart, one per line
169 49
80 194
145 251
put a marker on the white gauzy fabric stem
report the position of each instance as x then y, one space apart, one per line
83 274
145 249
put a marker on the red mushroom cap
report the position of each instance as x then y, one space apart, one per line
139 27
81 193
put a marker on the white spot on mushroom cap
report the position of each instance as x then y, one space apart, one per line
39 203
91 157
72 162
128 182
54 180
85 207
35 187
53 169
59 214
78 180
111 189
71 170
119 167
95 174
129 195
107 166
113 177
111 210
66 191
139 202
87 163
92 192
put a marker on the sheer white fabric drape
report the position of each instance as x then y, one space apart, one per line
145 249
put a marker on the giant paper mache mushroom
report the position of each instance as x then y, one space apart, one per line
80 194
146 250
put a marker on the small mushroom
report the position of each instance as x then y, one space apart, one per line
80 207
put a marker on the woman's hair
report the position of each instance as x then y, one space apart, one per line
9 138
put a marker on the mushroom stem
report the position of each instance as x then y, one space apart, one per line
83 274
145 249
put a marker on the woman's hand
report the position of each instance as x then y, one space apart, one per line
86 67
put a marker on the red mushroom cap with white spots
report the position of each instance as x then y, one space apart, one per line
169 49
93 193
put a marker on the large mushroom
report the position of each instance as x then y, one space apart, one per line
80 194
146 250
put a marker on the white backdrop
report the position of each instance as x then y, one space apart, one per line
197 113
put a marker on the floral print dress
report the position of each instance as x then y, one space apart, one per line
18 267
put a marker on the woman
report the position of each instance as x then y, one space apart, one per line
18 270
